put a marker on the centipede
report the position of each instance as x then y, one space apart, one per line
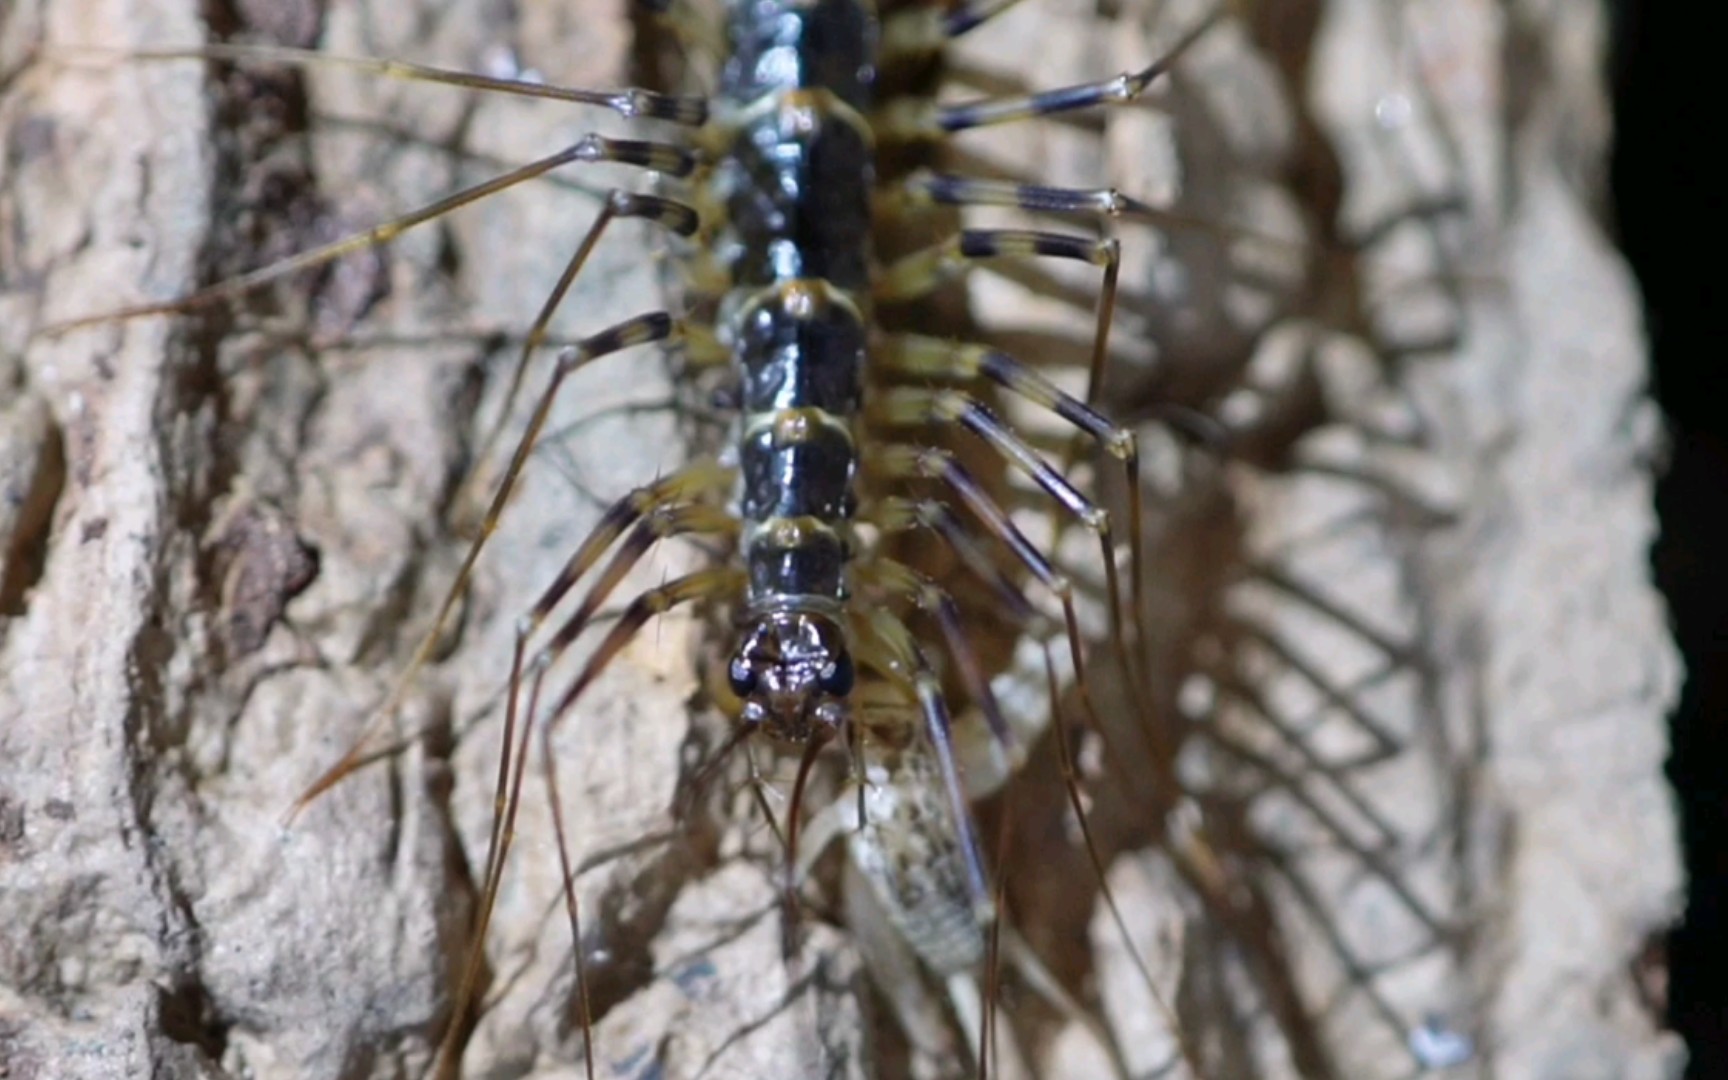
974 604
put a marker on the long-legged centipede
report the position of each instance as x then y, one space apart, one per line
241 531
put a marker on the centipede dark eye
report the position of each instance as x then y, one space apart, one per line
741 674
838 677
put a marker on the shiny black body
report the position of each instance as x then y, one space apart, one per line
796 182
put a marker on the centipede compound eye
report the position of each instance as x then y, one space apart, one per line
837 677
741 675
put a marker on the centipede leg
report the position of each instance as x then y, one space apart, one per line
641 330
882 632
1071 781
692 587
631 102
929 598
916 406
590 148
674 216
658 511
919 273
931 357
940 518
920 32
924 120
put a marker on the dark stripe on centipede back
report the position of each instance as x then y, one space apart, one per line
797 346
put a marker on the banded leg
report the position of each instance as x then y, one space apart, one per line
705 584
921 31
1071 783
674 216
924 357
922 272
924 190
917 406
900 580
590 148
923 120
657 511
641 330
899 514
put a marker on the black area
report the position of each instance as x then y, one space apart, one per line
188 1016
1668 179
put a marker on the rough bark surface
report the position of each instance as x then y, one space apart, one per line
225 533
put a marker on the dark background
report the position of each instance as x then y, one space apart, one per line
1670 60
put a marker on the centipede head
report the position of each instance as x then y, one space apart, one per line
793 671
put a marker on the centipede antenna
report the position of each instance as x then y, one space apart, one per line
806 763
